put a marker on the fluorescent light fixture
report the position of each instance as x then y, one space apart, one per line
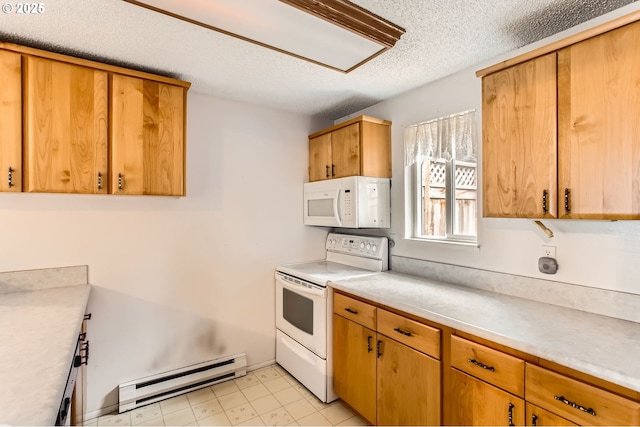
333 33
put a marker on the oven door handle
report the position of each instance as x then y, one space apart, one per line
301 289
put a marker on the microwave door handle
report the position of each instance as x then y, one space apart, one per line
336 210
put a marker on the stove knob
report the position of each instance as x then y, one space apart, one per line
368 246
375 248
361 245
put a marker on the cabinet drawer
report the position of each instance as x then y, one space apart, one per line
492 366
578 402
414 334
541 417
356 310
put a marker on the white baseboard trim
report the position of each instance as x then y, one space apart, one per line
261 365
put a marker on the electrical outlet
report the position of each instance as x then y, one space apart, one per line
548 251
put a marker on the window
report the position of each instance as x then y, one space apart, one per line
441 167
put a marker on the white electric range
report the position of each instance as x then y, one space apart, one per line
304 306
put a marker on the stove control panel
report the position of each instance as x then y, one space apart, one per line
357 245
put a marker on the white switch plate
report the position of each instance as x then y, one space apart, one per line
548 251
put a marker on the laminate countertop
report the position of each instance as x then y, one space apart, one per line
601 346
38 334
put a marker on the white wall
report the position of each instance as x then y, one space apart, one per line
179 281
600 254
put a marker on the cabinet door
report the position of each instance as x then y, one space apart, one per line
345 151
147 137
537 416
320 157
598 126
473 402
519 140
354 366
10 122
65 128
408 386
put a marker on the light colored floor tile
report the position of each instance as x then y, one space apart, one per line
291 380
317 403
257 421
180 418
232 400
277 417
279 369
287 395
303 390
255 392
293 424
174 404
266 374
337 413
207 409
315 419
354 421
277 384
115 420
265 404
143 414
200 396
241 413
247 381
215 420
300 409
225 388
154 422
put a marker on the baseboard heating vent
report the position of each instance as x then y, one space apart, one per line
173 383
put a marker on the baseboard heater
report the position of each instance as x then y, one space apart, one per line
173 383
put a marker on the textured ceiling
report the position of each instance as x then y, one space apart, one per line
442 37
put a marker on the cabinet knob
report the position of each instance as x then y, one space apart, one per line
575 405
99 180
10 177
567 207
534 420
511 406
369 347
120 181
327 170
379 349
545 209
333 170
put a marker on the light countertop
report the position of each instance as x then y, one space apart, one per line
601 346
38 335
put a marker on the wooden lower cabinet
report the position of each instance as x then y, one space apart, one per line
408 385
472 402
354 366
537 416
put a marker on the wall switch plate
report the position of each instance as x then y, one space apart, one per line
548 251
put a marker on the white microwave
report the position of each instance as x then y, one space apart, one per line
351 202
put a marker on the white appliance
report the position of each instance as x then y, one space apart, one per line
351 202
304 307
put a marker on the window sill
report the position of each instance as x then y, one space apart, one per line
461 243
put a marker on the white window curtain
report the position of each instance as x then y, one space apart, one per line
436 139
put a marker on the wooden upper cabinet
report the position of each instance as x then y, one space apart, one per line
598 111
10 121
519 140
358 147
65 140
147 137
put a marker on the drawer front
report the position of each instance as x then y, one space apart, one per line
493 366
414 334
353 309
578 402
541 417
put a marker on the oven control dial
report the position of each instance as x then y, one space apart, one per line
374 247
361 245
368 246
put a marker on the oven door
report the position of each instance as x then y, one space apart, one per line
301 312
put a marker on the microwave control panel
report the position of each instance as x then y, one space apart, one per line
357 245
348 205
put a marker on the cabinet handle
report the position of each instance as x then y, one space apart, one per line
400 331
327 170
482 365
575 405
369 347
10 178
350 310
545 193
567 208
99 180
379 348
511 406
120 180
333 170
534 420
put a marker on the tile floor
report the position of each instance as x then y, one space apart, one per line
266 397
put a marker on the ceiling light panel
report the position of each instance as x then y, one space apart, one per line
276 25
